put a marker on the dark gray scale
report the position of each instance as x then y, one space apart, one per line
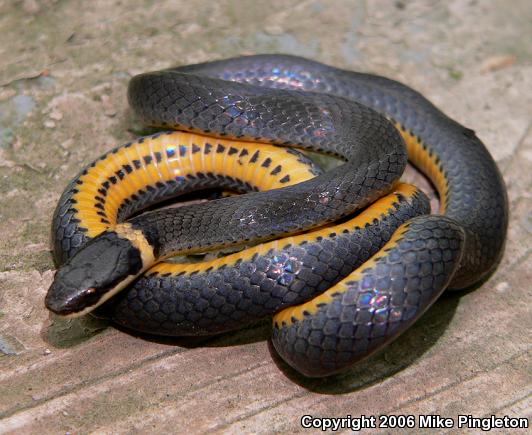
238 295
384 302
67 235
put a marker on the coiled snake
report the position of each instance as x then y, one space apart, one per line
340 282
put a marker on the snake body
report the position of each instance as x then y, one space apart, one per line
339 292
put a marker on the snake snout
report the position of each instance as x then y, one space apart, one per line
65 299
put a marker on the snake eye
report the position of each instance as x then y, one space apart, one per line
94 274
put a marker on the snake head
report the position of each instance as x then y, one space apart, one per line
104 266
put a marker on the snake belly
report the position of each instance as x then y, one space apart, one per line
343 315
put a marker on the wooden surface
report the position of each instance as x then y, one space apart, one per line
64 68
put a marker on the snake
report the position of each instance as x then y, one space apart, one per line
345 260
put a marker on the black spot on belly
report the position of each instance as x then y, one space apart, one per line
276 170
266 163
254 157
